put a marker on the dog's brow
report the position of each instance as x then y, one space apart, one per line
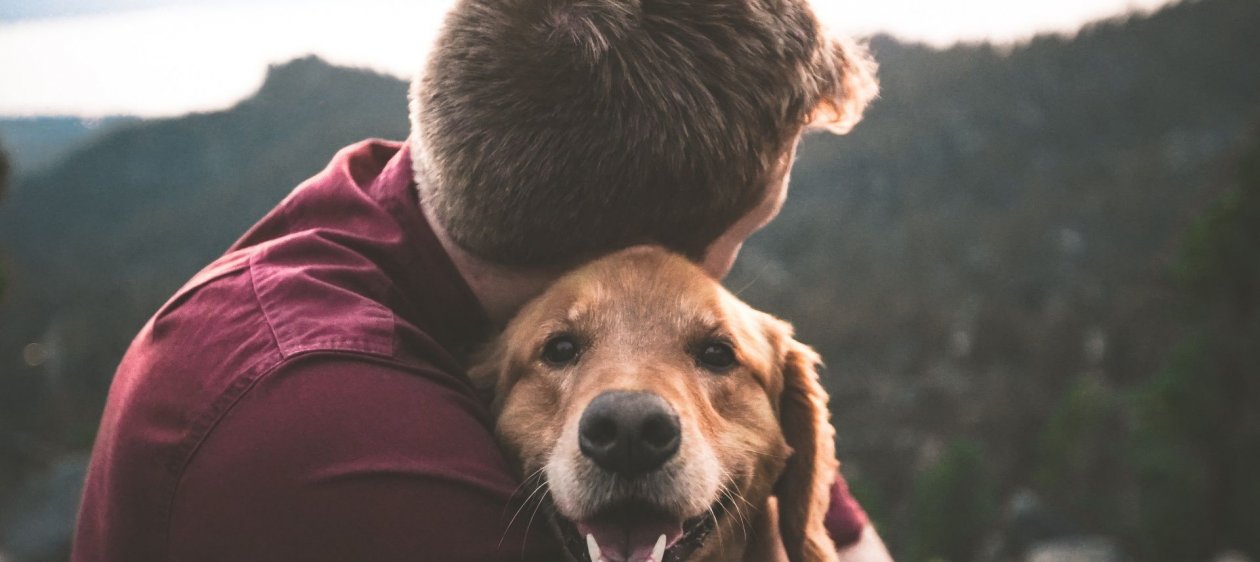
576 311
549 328
708 321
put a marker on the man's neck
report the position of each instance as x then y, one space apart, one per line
501 290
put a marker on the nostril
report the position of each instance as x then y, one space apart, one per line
601 431
659 431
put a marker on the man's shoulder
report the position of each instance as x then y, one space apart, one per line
297 295
245 313
318 295
251 313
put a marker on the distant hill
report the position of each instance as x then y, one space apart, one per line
1000 228
1003 220
99 241
994 238
34 143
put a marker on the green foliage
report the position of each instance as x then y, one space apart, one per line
1203 259
872 499
1175 420
1077 461
1196 447
953 506
1220 259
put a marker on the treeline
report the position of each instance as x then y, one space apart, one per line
987 265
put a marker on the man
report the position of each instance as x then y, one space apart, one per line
304 397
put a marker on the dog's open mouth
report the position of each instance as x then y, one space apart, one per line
636 533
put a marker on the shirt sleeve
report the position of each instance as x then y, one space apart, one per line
845 518
337 458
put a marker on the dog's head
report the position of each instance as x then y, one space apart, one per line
660 411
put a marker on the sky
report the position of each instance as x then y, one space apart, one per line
154 58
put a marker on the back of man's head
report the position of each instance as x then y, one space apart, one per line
549 131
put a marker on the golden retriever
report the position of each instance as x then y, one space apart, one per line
657 413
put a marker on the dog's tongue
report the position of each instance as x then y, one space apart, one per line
630 536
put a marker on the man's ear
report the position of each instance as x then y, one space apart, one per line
804 489
845 74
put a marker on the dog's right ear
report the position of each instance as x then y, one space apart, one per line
804 488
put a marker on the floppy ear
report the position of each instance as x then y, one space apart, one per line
845 74
804 489
489 368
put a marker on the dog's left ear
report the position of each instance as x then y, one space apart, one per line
804 489
487 371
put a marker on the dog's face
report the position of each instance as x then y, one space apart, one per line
658 411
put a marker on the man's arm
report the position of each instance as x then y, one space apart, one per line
343 459
868 548
768 546
856 540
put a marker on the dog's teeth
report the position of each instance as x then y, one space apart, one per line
658 553
593 546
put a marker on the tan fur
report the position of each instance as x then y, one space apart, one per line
639 313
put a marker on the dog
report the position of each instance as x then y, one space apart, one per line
658 414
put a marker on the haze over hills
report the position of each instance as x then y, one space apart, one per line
984 263
37 142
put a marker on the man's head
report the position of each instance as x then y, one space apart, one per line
547 132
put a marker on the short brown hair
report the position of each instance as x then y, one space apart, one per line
549 131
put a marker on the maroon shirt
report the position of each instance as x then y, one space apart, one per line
302 399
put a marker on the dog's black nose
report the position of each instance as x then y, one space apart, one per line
629 433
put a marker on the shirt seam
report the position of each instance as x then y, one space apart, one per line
201 426
253 288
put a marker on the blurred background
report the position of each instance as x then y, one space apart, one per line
1033 270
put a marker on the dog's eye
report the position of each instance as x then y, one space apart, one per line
716 356
560 350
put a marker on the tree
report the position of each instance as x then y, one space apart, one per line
953 505
1197 440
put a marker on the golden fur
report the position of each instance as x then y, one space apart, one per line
640 315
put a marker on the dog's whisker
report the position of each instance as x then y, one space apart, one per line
524 482
754 452
756 277
732 494
721 538
736 495
744 521
541 500
727 509
740 516
524 504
